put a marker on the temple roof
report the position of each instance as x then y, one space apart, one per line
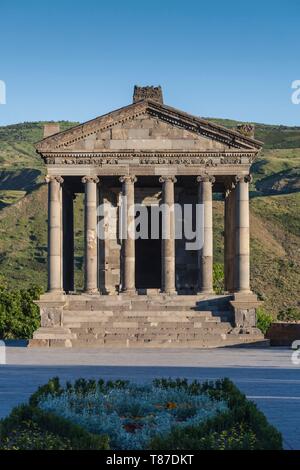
174 126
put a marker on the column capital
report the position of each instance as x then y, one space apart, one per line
90 179
166 178
49 178
128 179
243 178
206 179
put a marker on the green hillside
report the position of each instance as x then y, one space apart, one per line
275 204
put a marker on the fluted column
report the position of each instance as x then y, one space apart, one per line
168 235
90 234
229 238
206 252
54 233
242 238
128 233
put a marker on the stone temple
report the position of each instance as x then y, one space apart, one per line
153 291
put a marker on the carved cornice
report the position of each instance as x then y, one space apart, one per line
203 127
208 159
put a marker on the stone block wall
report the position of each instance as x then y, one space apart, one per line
147 133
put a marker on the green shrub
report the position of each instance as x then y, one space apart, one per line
236 438
218 278
263 320
3 282
80 386
60 432
291 314
28 436
52 387
19 316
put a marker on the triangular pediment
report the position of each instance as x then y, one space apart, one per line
147 126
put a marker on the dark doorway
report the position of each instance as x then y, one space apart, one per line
148 259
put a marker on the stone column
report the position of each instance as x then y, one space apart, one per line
90 232
128 229
242 236
168 235
68 240
229 238
206 252
54 234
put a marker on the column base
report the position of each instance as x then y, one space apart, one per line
52 296
205 292
169 292
55 291
244 305
129 291
92 292
55 336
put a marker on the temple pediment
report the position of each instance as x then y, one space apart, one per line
147 125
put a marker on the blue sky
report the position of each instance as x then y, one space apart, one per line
75 60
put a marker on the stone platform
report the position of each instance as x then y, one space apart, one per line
140 321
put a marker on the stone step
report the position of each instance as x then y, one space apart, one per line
129 325
208 342
172 316
100 315
141 302
135 322
132 313
145 329
123 297
132 320
53 333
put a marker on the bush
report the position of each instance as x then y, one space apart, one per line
59 433
218 278
236 438
291 314
19 316
263 320
28 436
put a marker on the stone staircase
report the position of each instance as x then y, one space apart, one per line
150 321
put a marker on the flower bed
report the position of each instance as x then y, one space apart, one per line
130 414
166 414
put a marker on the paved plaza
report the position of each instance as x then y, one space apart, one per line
266 375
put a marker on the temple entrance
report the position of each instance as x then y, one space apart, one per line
148 260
